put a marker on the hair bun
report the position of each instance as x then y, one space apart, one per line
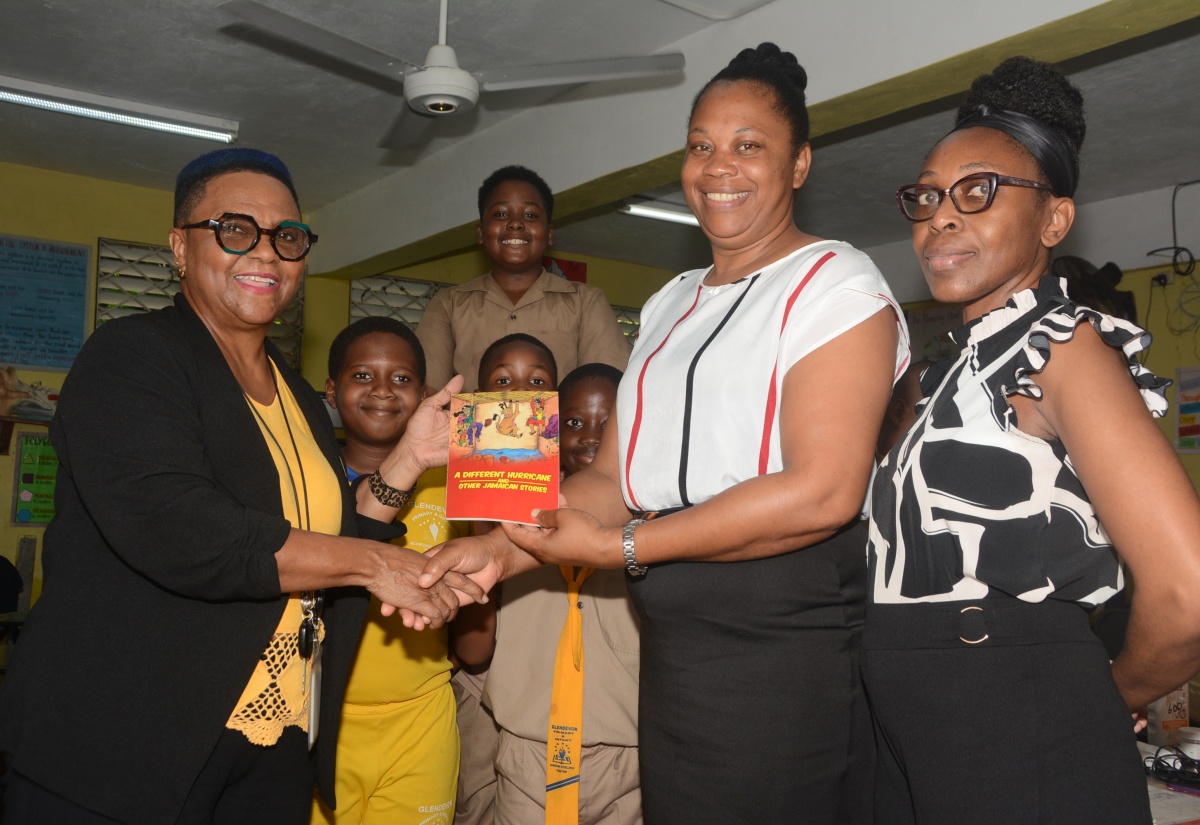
768 54
779 74
1030 87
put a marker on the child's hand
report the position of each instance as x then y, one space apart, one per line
568 536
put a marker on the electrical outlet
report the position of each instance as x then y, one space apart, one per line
1163 278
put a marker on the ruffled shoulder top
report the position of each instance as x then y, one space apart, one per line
966 503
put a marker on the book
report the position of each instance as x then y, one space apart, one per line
503 456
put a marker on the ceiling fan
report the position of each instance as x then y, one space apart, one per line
439 87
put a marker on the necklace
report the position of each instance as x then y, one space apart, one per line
311 601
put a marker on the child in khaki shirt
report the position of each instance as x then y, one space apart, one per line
573 320
520 681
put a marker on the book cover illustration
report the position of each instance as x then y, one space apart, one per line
503 456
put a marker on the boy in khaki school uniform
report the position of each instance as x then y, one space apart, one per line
519 683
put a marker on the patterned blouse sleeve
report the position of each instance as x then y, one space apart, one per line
1058 326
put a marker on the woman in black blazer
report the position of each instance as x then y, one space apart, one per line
166 673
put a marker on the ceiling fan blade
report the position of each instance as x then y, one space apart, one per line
279 24
587 71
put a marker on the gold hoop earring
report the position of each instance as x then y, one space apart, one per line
182 271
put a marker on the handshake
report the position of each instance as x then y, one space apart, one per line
429 589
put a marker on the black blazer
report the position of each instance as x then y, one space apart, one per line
161 589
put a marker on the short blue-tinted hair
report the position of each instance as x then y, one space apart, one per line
192 179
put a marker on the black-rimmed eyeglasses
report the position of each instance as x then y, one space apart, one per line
238 234
974 193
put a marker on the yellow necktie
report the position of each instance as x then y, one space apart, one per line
564 740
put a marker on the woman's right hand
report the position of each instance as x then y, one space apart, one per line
569 536
485 559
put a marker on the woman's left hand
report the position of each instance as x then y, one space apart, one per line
426 439
568 536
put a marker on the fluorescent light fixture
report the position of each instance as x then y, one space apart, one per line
718 9
663 212
115 110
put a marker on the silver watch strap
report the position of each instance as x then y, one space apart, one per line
631 562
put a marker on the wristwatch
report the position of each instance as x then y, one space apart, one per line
631 562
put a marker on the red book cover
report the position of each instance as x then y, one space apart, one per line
503 456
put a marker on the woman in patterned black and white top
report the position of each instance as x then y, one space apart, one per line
998 518
739 410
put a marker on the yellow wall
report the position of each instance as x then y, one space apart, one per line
1170 350
39 203
45 204
625 284
326 313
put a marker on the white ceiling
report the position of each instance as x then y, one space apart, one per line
1143 112
328 121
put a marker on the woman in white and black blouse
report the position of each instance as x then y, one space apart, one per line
997 519
740 413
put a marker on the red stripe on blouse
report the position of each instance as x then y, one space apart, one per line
764 449
637 416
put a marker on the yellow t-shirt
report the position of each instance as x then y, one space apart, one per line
276 695
395 663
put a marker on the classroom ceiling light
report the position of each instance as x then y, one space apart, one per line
660 211
718 9
115 110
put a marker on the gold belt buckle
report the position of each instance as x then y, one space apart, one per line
983 638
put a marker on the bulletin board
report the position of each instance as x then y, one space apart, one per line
43 302
33 487
1187 410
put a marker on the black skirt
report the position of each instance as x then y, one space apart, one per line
998 712
751 706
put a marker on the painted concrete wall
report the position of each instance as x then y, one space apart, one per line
39 203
